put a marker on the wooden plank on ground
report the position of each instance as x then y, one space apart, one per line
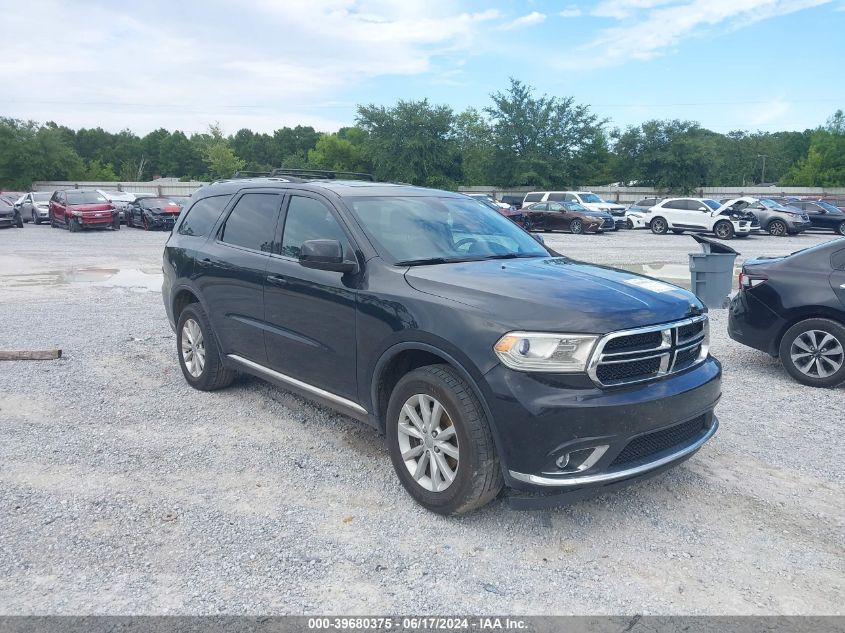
31 354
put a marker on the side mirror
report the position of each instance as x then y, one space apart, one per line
324 255
703 209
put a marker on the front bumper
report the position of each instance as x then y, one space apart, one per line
162 222
540 418
7 220
637 221
93 220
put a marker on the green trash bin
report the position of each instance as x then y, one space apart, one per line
712 272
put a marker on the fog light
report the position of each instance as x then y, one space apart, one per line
562 461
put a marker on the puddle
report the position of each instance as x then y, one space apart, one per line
677 274
135 279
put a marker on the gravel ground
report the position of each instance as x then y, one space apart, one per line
124 491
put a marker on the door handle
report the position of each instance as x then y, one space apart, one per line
277 280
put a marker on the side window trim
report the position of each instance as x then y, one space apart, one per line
183 217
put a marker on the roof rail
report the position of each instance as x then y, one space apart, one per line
321 174
249 174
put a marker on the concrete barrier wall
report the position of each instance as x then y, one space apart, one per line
161 187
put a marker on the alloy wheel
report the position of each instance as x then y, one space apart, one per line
428 442
575 226
841 229
193 348
777 228
723 230
817 354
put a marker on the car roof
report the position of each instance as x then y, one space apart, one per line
340 188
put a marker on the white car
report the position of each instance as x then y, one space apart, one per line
491 199
700 215
585 198
120 199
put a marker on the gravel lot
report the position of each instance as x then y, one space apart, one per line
124 491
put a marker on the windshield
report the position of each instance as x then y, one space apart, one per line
777 206
419 229
828 207
486 202
42 197
574 206
155 203
713 204
589 197
85 197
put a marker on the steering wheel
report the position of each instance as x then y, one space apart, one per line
467 240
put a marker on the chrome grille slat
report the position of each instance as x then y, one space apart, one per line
677 339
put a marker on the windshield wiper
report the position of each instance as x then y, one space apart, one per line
513 256
429 260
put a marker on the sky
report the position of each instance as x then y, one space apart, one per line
263 64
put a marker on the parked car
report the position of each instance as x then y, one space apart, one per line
152 213
700 215
586 199
484 359
775 218
9 214
509 212
483 197
77 210
637 215
514 201
34 206
119 199
565 216
822 215
793 307
182 201
838 202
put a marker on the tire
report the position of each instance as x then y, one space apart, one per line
477 474
808 334
18 221
659 226
53 224
211 374
576 227
128 217
841 228
724 230
777 228
146 224
629 224
35 218
74 226
678 231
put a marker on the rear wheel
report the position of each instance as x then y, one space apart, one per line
440 441
659 226
724 230
841 228
777 228
576 226
199 353
813 352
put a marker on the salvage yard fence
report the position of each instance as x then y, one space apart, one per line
175 187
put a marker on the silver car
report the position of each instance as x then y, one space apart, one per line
34 206
775 218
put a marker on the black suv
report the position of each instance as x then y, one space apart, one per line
486 359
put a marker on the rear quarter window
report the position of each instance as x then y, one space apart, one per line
202 216
533 197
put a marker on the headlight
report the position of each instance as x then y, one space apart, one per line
539 351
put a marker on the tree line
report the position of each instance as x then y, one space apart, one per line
519 139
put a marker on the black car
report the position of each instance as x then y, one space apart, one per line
9 213
486 360
793 307
823 215
152 212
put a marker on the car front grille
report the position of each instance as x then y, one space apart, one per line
661 440
608 223
647 353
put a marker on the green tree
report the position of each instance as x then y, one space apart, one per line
411 142
540 141
343 151
474 138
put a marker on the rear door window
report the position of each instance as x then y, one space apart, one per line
252 223
675 204
201 216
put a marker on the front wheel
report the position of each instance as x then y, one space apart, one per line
199 353
659 226
74 226
724 230
146 224
440 441
777 228
576 227
36 219
18 221
629 224
841 228
813 352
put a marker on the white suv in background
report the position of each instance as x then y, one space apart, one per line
585 198
700 215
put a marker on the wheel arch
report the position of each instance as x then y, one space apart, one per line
803 314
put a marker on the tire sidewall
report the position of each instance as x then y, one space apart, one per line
826 325
730 230
659 222
453 497
194 311
779 223
841 229
576 227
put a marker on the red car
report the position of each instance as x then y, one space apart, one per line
79 210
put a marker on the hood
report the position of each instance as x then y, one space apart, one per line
173 208
556 294
104 206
